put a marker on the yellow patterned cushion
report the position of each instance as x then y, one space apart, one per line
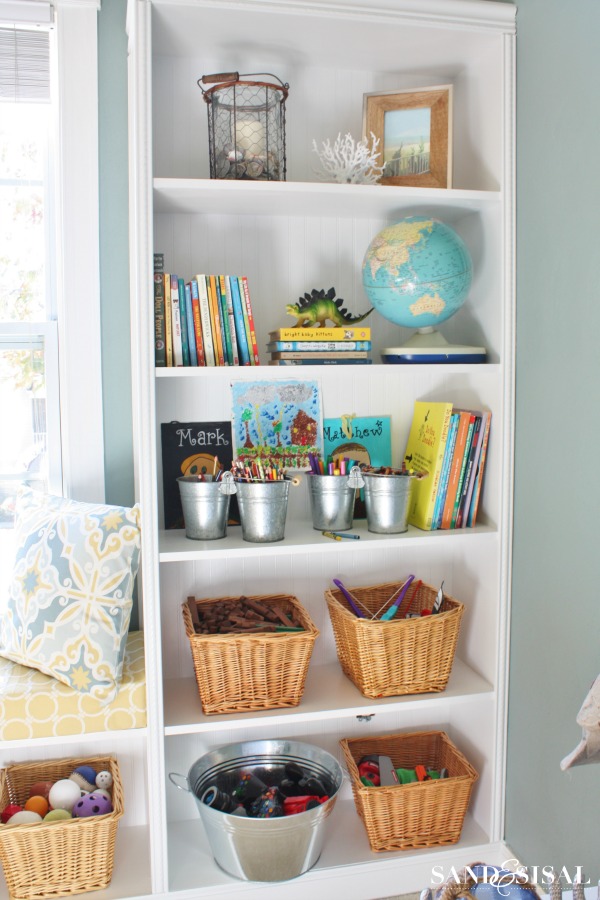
34 705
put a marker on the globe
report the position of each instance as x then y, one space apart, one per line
417 273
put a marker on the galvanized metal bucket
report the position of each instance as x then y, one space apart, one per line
332 499
387 501
205 506
274 849
263 509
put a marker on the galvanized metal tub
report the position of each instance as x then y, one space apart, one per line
263 849
205 507
387 501
263 509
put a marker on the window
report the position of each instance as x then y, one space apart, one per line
51 431
29 399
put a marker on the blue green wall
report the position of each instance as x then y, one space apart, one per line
555 642
551 816
114 240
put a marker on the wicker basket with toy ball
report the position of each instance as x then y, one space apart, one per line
62 853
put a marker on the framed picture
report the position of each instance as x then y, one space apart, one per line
415 135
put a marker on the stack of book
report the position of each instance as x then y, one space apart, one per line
347 345
450 444
206 321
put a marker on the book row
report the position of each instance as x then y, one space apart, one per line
206 321
317 346
450 444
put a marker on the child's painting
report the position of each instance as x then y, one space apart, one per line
277 422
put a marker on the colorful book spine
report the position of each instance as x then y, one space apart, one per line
225 335
455 466
320 362
191 331
200 360
168 320
469 472
215 320
185 345
425 449
475 499
336 333
475 468
445 474
292 354
209 351
319 346
238 315
248 306
160 350
176 323
228 314
463 470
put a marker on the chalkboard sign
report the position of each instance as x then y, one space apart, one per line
193 448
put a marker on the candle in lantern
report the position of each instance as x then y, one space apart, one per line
250 136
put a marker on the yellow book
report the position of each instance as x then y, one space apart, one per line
425 453
344 333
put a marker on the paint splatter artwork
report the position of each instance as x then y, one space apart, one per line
277 422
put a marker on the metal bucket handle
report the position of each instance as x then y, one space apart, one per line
355 479
173 775
227 485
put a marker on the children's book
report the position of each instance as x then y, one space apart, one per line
226 331
362 439
201 359
209 351
444 477
318 346
176 323
463 467
226 289
190 448
250 330
185 345
343 333
238 315
168 320
455 467
471 470
215 321
160 350
478 483
191 330
425 450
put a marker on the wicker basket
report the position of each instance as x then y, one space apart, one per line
56 859
417 815
246 672
401 656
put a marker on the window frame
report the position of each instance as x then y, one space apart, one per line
75 188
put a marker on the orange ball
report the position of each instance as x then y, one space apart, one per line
38 804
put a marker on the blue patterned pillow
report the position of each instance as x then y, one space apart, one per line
70 595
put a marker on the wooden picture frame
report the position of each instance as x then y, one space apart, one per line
414 128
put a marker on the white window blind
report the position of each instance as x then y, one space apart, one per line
24 64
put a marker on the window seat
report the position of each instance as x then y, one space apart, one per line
34 705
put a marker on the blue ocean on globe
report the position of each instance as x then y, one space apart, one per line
417 272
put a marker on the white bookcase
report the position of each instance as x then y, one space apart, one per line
289 238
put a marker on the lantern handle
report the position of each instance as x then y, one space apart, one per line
233 77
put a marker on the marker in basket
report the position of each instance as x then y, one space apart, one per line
391 612
351 600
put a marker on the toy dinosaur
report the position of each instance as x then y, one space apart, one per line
319 306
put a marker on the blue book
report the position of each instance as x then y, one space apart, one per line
240 328
225 333
320 362
318 346
189 312
445 473
185 346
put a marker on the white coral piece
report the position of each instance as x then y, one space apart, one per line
349 161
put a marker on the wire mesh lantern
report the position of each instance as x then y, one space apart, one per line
246 126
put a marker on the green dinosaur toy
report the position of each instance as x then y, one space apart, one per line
319 306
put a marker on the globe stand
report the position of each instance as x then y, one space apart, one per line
430 346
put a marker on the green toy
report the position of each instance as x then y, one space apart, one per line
316 308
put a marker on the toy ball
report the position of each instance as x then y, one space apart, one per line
64 794
85 777
37 804
9 811
25 817
92 805
40 789
57 815
104 780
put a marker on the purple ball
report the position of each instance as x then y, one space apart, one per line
92 805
